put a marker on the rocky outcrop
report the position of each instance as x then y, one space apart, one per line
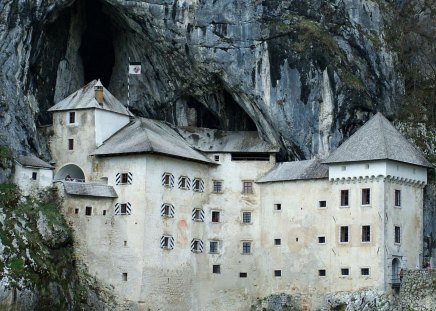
418 290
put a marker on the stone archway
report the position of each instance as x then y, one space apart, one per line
396 271
70 172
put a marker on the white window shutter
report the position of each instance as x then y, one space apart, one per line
162 242
129 178
188 183
171 243
172 211
172 180
202 215
117 178
117 209
201 185
128 209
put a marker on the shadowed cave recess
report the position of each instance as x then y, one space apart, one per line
93 39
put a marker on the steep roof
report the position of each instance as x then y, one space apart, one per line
33 161
85 99
296 170
377 139
210 140
150 136
89 189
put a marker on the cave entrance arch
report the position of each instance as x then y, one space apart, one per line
70 172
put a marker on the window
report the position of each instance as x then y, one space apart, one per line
397 198
72 117
124 276
197 246
367 166
246 217
34 175
123 178
167 242
277 242
345 271
344 197
213 247
217 186
247 187
277 207
197 214
397 234
104 212
123 209
167 210
125 243
242 274
258 156
76 211
216 269
364 271
321 272
277 273
322 204
366 196
366 233
216 158
198 185
88 211
343 234
184 183
246 248
70 144
343 168
321 239
215 216
168 180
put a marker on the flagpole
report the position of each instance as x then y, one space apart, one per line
128 86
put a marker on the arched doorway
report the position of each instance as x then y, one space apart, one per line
70 172
396 270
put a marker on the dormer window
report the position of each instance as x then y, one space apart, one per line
72 117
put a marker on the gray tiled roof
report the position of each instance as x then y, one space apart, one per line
150 136
377 139
210 140
33 161
89 189
296 170
85 98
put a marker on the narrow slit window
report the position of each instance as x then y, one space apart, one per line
72 117
70 144
398 198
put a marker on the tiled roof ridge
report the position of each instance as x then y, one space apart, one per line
379 117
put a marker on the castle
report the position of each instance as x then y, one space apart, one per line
174 218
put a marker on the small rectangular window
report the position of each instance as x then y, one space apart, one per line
397 234
197 246
343 167
104 212
343 234
125 243
124 178
242 274
277 273
322 204
88 211
76 211
397 198
213 247
366 233
70 144
72 117
217 186
34 175
198 185
197 214
216 269
364 271
344 198
321 272
123 209
167 242
124 276
277 242
246 217
167 210
168 180
321 239
366 196
215 216
345 271
247 187
246 248
277 207
216 158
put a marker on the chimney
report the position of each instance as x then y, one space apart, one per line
98 88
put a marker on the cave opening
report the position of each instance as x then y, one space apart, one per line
97 50
205 117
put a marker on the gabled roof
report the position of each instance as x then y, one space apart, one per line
296 170
89 189
378 139
85 99
210 140
150 136
33 161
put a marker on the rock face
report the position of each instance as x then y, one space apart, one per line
291 69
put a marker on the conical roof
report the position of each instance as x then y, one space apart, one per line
85 99
378 139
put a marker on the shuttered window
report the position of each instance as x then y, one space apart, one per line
123 209
167 242
168 180
124 178
197 246
167 210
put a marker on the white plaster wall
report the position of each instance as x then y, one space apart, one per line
23 178
107 123
377 168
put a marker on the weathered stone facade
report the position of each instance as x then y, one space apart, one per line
418 290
